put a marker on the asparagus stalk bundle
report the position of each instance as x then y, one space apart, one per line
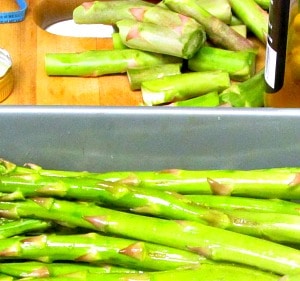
281 227
77 239
280 183
218 32
215 244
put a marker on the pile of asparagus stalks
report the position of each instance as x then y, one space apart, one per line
213 225
177 52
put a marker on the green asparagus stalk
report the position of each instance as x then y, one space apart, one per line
214 243
102 62
239 64
4 277
224 272
231 203
117 42
220 9
36 269
281 183
294 277
241 29
138 75
249 93
139 200
183 86
265 4
281 228
92 247
208 100
17 227
108 12
221 34
253 16
151 37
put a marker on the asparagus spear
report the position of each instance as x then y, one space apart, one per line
4 277
253 16
151 37
138 75
220 9
102 62
117 42
25 269
213 243
183 86
249 93
293 277
282 228
229 203
92 247
148 201
224 272
208 100
218 32
107 12
239 64
281 183
265 4
17 227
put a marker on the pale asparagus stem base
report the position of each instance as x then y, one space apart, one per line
239 64
217 31
253 16
101 62
161 39
183 86
249 93
208 100
138 75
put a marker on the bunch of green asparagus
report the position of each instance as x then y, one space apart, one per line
177 52
229 225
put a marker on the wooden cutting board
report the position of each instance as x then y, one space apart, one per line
28 42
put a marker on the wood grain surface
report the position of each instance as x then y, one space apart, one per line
28 42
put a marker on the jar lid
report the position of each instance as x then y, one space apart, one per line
6 76
5 62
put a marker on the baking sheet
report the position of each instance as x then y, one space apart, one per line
126 138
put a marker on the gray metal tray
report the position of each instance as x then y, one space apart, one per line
105 138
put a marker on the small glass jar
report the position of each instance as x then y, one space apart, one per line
6 75
282 71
